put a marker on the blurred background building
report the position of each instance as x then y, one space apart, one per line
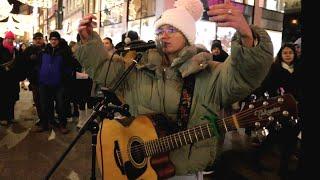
281 18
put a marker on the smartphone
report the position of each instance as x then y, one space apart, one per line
239 6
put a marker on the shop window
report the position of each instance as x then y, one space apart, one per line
275 5
141 9
111 12
144 25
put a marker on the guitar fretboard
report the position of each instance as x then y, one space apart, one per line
177 140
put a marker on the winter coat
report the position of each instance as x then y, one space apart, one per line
152 87
11 75
62 58
221 57
279 77
33 58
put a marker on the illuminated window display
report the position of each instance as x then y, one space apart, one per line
111 12
224 34
142 17
206 32
144 28
141 9
276 38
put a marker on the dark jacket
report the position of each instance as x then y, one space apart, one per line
32 55
60 57
12 74
221 57
279 77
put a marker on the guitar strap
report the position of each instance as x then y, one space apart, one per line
185 101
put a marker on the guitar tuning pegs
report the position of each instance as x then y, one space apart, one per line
266 95
270 118
264 132
257 125
293 121
285 113
253 97
277 126
280 100
251 106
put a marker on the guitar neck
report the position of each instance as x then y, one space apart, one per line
174 141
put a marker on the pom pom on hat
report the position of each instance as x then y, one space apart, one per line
183 17
194 7
9 35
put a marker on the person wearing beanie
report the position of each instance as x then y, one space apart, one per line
33 59
37 35
11 73
176 84
54 34
54 72
218 54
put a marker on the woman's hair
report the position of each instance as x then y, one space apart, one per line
72 43
279 55
21 44
107 38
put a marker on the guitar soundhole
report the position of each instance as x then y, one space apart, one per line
137 152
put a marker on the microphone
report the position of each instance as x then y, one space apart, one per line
138 47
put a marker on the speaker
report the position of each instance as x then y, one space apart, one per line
127 39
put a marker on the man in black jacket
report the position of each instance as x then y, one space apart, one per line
32 57
218 54
55 71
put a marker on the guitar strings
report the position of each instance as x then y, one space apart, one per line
243 114
163 140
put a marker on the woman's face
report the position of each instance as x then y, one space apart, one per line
23 47
172 39
107 44
287 55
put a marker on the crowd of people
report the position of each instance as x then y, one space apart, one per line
177 78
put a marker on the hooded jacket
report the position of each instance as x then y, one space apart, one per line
152 87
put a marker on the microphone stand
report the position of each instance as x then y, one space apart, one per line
104 109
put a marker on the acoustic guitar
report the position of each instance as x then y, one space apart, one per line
138 148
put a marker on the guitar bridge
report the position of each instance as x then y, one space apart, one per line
118 158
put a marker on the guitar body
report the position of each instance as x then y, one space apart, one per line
128 144
116 141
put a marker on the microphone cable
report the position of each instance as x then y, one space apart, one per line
109 63
101 154
100 136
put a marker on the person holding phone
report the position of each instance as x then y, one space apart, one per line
156 84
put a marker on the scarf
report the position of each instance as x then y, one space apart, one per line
287 67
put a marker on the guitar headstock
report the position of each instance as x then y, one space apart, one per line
271 113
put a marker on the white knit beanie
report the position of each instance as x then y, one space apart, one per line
183 17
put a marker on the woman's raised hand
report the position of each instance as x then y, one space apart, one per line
86 26
227 15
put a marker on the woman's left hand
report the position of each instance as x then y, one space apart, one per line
227 15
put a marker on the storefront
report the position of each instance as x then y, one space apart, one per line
118 16
70 26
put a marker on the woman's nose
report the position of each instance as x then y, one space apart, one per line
164 35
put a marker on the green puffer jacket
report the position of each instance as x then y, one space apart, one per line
152 87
